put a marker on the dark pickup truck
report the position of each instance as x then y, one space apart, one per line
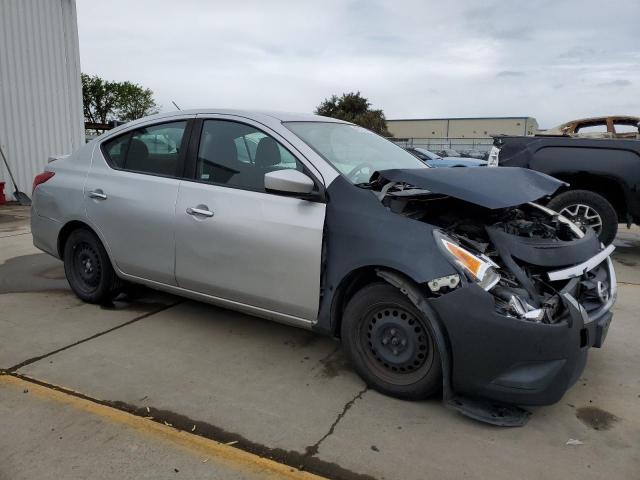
603 176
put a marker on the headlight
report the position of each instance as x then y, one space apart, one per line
478 268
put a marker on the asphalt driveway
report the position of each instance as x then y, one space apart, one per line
271 390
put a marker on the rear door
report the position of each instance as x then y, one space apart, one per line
238 242
131 193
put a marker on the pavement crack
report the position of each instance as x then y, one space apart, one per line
311 450
99 334
194 427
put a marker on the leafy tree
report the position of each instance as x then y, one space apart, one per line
99 99
354 108
134 102
104 101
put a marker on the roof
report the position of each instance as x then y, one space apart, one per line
268 118
255 114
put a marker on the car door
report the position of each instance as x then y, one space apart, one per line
234 240
131 192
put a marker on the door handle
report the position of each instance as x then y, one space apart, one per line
98 194
205 212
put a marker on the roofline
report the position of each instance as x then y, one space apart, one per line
457 118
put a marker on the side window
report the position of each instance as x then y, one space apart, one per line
116 149
626 127
591 128
239 155
154 149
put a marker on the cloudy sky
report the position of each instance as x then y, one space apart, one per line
554 60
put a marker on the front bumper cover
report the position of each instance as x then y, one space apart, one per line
515 361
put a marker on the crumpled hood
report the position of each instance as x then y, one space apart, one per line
493 188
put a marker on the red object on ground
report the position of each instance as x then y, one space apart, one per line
3 199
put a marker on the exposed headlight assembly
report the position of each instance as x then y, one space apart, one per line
476 267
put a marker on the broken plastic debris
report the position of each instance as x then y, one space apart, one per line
168 424
148 410
231 443
573 441
193 429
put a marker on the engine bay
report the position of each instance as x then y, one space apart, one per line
524 243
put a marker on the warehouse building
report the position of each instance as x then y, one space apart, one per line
40 90
462 127
458 136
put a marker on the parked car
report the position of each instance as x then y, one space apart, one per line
433 160
602 177
616 126
448 152
433 278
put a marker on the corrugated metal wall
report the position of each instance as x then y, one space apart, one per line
40 89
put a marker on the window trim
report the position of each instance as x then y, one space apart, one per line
190 167
182 156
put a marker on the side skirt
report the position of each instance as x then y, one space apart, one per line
223 302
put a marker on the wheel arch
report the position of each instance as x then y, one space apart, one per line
357 279
75 224
603 185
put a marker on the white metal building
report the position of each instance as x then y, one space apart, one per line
40 89
462 127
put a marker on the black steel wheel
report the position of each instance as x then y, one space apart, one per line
88 268
390 343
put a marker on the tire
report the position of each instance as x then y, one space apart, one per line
88 268
571 204
376 321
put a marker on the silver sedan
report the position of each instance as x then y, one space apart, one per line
434 279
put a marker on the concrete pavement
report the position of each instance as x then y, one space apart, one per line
287 394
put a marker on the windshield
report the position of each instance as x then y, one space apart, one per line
352 150
428 153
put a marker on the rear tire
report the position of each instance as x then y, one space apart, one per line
581 205
391 344
88 267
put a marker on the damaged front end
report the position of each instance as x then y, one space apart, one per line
531 260
531 294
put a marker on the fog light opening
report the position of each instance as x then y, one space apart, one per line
584 338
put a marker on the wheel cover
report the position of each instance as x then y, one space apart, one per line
583 216
87 266
397 345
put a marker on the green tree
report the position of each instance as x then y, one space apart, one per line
354 108
134 101
104 100
99 99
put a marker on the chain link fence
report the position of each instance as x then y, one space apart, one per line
449 147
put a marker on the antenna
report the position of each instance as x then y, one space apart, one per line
175 105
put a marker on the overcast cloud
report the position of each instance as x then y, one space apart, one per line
554 60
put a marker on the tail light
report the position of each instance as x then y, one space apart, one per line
41 178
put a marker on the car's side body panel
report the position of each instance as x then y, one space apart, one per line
134 215
355 216
259 249
60 199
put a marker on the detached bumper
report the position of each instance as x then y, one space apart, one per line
516 361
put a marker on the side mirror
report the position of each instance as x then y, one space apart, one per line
288 181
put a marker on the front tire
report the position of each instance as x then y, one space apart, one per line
391 344
88 267
587 208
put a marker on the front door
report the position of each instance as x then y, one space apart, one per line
236 241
